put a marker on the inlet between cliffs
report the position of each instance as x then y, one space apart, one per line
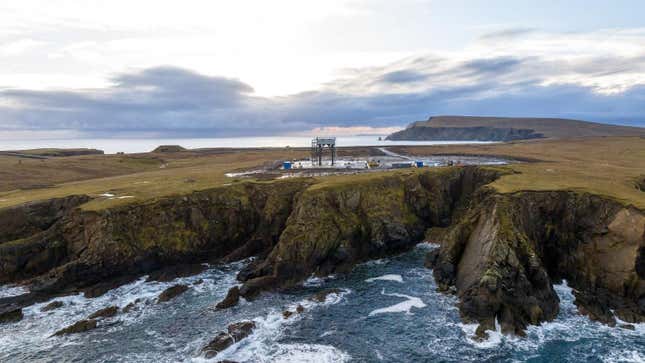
383 311
327 271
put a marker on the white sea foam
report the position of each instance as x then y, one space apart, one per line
427 245
494 336
388 277
402 307
12 290
625 356
380 261
569 326
315 353
35 329
315 281
108 195
262 345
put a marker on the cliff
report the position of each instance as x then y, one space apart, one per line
463 128
500 253
504 254
82 248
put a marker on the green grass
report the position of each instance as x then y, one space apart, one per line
139 177
610 167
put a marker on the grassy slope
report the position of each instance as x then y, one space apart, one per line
550 127
144 176
604 166
17 172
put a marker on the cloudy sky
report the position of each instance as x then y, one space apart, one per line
206 68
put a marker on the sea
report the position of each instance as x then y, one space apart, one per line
386 310
112 146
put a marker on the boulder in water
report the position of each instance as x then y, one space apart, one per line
231 299
52 305
78 327
241 330
10 315
130 306
252 288
321 296
105 313
223 340
172 292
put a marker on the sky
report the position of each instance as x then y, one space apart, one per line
203 68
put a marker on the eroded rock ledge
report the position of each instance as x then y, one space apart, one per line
505 253
500 252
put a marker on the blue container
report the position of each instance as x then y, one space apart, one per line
286 165
419 164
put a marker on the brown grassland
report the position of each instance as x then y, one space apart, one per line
613 167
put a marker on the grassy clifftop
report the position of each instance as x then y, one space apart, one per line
612 167
609 167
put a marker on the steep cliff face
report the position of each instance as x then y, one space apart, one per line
28 219
501 253
82 248
481 133
334 227
505 253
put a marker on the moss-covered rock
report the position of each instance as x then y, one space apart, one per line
83 248
500 253
506 251
333 227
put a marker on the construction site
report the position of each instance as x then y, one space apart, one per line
326 158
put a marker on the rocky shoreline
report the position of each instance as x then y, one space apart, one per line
500 253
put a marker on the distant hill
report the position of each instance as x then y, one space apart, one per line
51 152
460 128
168 149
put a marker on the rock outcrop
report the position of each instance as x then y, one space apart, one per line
172 292
231 299
29 219
332 228
78 327
235 333
92 251
108 312
470 128
52 306
480 133
505 253
10 314
500 253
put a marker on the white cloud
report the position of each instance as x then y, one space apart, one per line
18 47
344 63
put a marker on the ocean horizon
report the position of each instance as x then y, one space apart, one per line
140 145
